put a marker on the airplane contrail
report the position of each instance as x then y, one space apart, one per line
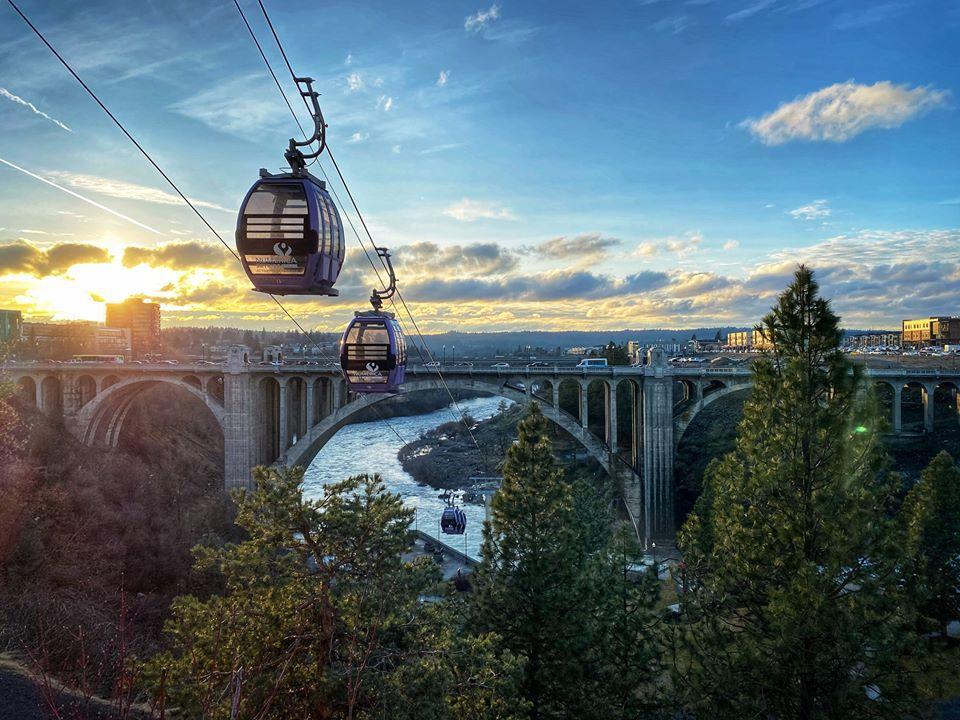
30 106
81 197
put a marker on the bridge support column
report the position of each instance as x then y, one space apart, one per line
658 515
284 429
897 399
612 419
38 391
310 390
928 391
239 448
556 396
584 415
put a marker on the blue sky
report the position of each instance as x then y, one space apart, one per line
534 165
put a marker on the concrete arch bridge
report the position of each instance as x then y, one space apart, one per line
630 419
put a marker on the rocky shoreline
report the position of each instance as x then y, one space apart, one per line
446 457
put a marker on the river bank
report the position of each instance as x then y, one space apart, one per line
446 456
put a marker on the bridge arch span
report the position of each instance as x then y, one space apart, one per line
101 419
303 452
717 391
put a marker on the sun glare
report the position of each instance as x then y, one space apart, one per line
81 293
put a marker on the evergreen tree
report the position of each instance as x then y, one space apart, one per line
932 518
530 586
553 588
792 555
320 616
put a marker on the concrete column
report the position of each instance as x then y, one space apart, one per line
556 395
336 392
38 390
311 392
70 387
240 443
634 426
928 391
284 430
584 415
612 417
658 456
897 397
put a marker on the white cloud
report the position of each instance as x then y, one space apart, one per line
443 77
688 242
126 190
467 210
358 137
731 245
844 110
354 82
396 149
349 59
814 211
33 108
385 103
482 18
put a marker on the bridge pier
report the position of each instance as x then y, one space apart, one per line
658 518
928 391
897 417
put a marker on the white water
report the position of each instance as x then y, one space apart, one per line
372 448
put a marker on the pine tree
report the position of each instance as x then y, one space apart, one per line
531 586
321 618
792 555
932 518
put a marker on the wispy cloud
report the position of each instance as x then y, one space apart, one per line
127 191
467 210
443 78
242 106
81 197
731 245
440 148
358 137
33 108
385 103
750 10
582 249
482 18
674 24
842 111
814 211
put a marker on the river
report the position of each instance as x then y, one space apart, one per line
372 447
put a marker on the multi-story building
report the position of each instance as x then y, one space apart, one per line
873 340
11 326
931 331
61 341
142 319
740 339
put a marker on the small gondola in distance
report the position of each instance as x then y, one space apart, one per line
453 521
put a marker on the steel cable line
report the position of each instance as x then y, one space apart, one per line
363 222
163 174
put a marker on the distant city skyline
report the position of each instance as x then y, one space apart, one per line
531 165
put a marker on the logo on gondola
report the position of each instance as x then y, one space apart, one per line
283 249
373 367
